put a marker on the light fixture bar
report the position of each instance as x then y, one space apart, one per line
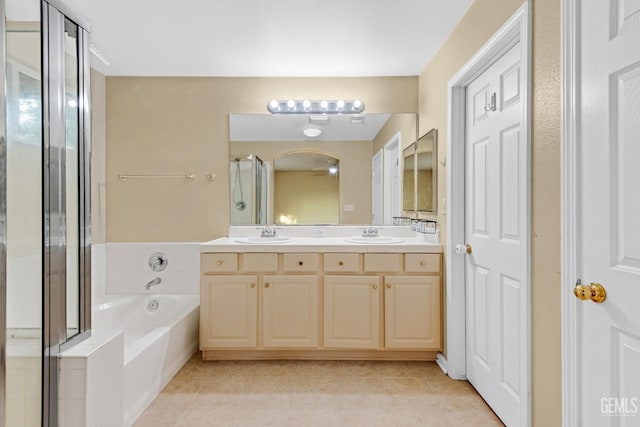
296 106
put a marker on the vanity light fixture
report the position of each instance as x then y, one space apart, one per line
312 132
325 106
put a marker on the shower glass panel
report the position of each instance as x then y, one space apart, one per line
249 190
24 214
71 113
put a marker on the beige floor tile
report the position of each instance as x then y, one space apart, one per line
158 417
317 368
316 393
321 416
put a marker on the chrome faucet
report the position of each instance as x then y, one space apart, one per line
154 282
370 231
268 231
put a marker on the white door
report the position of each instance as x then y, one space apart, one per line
608 214
391 179
496 277
376 188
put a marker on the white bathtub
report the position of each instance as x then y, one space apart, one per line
157 342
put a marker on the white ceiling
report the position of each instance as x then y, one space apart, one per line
268 37
289 127
306 162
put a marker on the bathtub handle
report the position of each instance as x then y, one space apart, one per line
253 285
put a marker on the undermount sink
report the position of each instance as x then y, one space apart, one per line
264 240
374 239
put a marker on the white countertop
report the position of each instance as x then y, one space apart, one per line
321 244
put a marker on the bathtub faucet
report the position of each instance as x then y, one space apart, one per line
154 282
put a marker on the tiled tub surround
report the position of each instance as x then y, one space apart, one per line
156 342
321 297
145 346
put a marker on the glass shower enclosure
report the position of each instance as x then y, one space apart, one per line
249 190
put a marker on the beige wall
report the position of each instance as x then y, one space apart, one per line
98 220
307 197
166 125
481 21
405 123
355 169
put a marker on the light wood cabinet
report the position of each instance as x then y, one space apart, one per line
412 312
352 311
290 311
321 305
230 319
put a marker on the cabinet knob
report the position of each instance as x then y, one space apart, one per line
300 262
389 285
253 285
266 285
219 262
374 286
422 263
340 263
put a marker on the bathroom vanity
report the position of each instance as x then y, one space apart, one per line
320 298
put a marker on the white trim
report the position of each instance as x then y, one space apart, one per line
569 202
515 30
391 207
442 363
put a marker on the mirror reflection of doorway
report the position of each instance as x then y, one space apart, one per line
307 189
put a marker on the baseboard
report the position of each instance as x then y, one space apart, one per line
442 363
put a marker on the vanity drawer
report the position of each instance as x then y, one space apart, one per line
422 263
219 263
381 263
341 263
260 263
300 262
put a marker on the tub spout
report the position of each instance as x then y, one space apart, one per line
154 282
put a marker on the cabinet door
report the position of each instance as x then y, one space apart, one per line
290 311
228 311
412 312
351 311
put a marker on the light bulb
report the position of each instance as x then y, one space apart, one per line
340 104
333 170
324 105
306 104
357 103
291 104
72 103
274 105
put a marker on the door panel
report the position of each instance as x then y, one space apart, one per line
608 244
495 157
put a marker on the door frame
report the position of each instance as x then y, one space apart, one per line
378 159
515 30
569 202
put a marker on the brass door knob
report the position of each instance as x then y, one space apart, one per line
266 285
388 285
595 292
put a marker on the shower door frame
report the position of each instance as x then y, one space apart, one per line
55 335
3 215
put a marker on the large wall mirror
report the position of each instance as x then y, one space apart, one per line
426 172
419 192
280 174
